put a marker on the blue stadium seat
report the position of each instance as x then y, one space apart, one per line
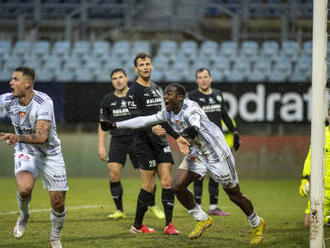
157 76
22 47
208 49
80 48
161 62
308 48
61 48
121 48
5 47
44 76
290 49
256 76
64 75
269 49
84 76
217 76
229 49
167 48
235 76
100 47
141 46
41 48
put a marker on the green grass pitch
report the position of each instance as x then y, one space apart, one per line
89 203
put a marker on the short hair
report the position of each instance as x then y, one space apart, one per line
141 56
201 70
178 88
117 70
27 71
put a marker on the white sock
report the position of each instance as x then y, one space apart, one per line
57 220
198 213
213 206
23 206
254 220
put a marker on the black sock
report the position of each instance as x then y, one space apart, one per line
117 194
198 191
214 191
143 201
168 204
153 199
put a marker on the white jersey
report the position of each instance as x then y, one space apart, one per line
209 145
24 119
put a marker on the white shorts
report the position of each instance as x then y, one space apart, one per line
222 172
51 169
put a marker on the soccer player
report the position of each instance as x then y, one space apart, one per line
213 104
208 153
152 151
306 176
113 107
37 150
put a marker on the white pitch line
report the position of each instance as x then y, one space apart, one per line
49 209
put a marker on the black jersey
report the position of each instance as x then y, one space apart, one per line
142 101
213 105
114 108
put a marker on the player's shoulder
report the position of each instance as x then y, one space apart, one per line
216 92
41 98
108 97
189 105
7 97
193 94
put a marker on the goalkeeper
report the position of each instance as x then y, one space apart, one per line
303 190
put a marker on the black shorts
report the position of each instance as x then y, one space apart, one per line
150 154
120 146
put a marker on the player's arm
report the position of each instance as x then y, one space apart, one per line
40 135
101 143
305 175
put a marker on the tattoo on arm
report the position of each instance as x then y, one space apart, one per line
40 136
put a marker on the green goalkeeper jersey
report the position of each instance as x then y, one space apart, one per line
307 164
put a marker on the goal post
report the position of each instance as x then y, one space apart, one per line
319 78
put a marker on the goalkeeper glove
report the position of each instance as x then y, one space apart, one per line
237 141
303 189
107 125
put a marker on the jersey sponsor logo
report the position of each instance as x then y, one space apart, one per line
212 108
154 101
22 115
167 149
113 104
123 103
120 112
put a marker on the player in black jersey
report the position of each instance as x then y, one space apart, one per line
153 152
213 104
114 108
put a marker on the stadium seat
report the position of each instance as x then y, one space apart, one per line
290 49
41 48
22 47
167 48
174 76
256 76
263 66
189 49
208 49
5 75
249 50
217 76
157 76
44 76
53 63
64 75
221 63
235 76
72 64
80 48
5 47
100 48
84 76
269 49
121 48
242 65
141 46
161 62
11 63
61 48
229 49
308 48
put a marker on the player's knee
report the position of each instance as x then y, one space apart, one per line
176 187
58 204
24 192
114 177
166 182
236 198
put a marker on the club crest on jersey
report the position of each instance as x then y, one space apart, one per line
219 98
123 104
22 115
178 123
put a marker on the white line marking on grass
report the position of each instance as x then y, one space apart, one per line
49 209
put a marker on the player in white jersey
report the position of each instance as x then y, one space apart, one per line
37 150
208 152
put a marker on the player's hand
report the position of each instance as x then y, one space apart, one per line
10 138
107 125
302 188
158 130
190 132
237 141
183 145
102 153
